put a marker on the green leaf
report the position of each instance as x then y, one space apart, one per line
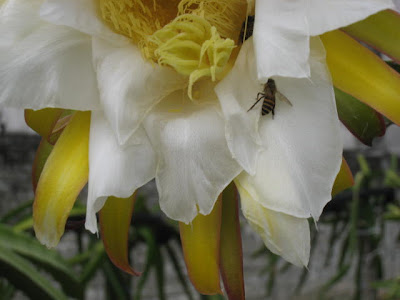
178 270
27 223
23 208
159 268
115 286
335 279
21 274
48 260
360 119
393 212
7 291
148 236
97 258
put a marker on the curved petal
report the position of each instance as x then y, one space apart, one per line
281 39
283 234
326 15
115 170
282 29
17 19
130 86
237 93
81 15
50 67
296 172
194 162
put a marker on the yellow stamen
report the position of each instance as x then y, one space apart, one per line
192 47
195 37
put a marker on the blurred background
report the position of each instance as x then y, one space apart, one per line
355 249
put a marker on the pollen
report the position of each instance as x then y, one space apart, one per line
138 19
195 37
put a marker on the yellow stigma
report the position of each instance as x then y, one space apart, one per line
195 37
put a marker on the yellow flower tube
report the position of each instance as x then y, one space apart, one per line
64 175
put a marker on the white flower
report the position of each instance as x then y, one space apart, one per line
63 53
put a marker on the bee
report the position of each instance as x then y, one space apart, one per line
269 96
247 29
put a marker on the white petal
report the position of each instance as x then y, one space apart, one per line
82 15
303 145
326 15
115 170
283 234
130 86
194 162
237 93
50 67
281 39
18 19
282 29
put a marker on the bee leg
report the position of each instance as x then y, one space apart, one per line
273 113
259 97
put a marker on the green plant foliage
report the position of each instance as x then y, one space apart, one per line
50 261
360 119
22 275
389 288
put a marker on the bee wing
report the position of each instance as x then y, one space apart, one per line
283 98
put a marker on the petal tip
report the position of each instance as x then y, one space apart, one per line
48 238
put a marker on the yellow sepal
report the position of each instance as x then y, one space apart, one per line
200 244
381 31
360 73
64 175
344 179
115 219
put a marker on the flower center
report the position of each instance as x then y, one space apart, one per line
195 37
